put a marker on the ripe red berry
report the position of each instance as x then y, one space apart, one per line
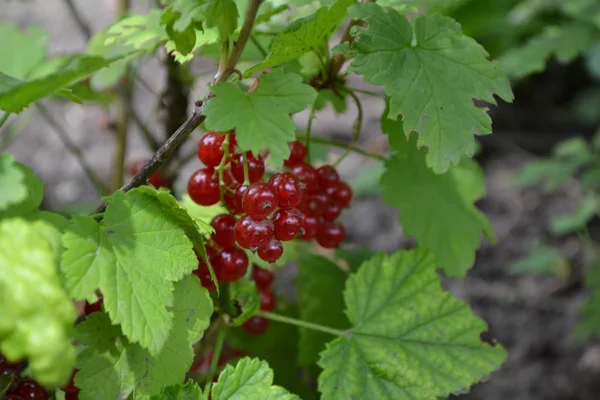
287 187
316 204
256 325
330 235
251 233
268 301
297 154
30 389
233 201
70 387
229 180
256 167
307 175
234 263
71 395
262 277
271 251
223 225
332 212
156 179
287 223
93 307
203 187
328 176
210 149
343 194
310 225
260 200
203 273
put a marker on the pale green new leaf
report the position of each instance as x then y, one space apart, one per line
21 51
432 72
437 210
11 174
36 327
320 284
124 367
221 14
411 340
134 256
250 379
261 119
304 35
189 391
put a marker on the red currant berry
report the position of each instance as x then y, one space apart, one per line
268 301
317 204
307 175
310 226
203 273
223 225
287 187
332 212
328 176
233 201
71 395
256 167
343 194
156 179
93 307
30 389
210 149
203 187
234 263
256 325
287 223
70 387
330 235
251 233
260 200
271 252
297 154
229 180
262 277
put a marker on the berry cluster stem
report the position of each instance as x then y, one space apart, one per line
222 166
246 172
302 324
355 128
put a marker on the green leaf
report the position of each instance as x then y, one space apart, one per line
21 51
320 285
338 101
143 32
34 327
15 94
564 43
578 218
244 300
261 119
251 379
437 210
124 367
432 72
411 340
33 186
541 260
133 257
189 391
221 14
304 35
12 182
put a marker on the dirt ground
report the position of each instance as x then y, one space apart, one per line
533 317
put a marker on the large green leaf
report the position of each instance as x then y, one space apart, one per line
304 35
250 379
437 210
261 118
134 256
124 367
411 340
37 315
432 72
320 300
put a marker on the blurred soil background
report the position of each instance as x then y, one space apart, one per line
532 316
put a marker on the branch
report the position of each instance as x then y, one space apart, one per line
83 26
72 148
165 152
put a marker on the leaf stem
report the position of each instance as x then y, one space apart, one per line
259 46
311 118
355 128
367 92
341 145
72 148
215 361
302 324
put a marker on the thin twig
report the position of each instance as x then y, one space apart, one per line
259 46
81 23
356 127
341 145
148 136
72 148
165 152
215 360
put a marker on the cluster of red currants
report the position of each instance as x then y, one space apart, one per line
26 388
302 202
